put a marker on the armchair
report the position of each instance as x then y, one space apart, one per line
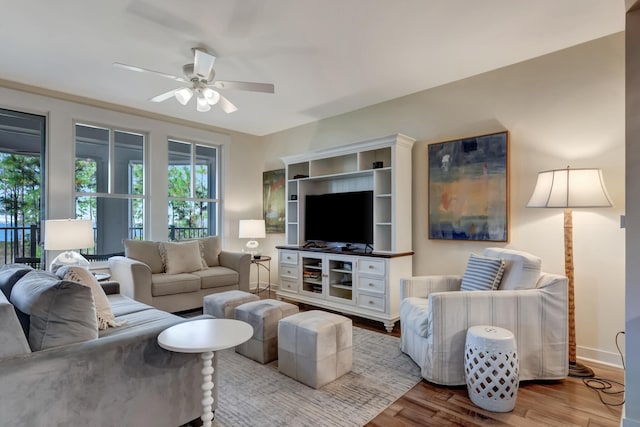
435 315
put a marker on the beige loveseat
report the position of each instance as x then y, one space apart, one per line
175 276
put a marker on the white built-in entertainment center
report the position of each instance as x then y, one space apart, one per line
356 278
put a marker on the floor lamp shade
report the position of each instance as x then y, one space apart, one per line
570 188
67 235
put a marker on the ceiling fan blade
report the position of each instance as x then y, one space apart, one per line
164 96
145 70
226 105
255 87
203 63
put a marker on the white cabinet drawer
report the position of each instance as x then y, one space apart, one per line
288 285
371 284
289 257
288 271
371 302
371 266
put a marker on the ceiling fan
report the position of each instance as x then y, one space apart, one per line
199 76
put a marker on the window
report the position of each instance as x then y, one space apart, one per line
110 184
194 204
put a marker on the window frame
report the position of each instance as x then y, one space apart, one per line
111 173
215 201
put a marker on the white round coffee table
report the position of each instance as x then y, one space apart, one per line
205 336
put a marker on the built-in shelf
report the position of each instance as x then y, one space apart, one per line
381 165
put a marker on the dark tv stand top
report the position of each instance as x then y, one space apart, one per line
355 251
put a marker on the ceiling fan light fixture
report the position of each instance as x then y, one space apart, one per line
203 105
211 96
184 95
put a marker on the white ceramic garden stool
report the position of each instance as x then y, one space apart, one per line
491 368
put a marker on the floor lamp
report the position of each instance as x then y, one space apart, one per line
570 188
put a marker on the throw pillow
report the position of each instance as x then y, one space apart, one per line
181 257
146 252
54 312
85 277
10 274
482 273
210 247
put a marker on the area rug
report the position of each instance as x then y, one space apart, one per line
251 394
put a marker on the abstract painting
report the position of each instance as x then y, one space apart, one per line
469 188
273 200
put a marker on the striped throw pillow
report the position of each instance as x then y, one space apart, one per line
482 273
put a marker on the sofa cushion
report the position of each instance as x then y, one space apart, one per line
482 273
84 277
170 284
217 276
181 257
13 341
54 312
142 320
10 274
522 270
121 305
210 247
146 252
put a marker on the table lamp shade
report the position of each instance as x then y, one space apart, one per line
67 234
252 229
570 188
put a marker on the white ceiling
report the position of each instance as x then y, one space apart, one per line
325 57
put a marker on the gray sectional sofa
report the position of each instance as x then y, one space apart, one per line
58 369
176 276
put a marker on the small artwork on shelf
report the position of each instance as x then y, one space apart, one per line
469 189
273 200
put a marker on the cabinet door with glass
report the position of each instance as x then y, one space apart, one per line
313 275
341 278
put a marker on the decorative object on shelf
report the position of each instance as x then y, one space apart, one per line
469 189
67 235
570 188
273 200
377 165
252 229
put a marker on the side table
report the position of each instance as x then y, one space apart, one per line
262 262
205 336
491 368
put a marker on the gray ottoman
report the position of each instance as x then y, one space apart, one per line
222 305
263 316
314 347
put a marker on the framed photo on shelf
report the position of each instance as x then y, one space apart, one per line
273 200
469 188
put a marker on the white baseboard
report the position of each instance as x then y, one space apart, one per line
599 356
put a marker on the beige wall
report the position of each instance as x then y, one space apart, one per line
566 108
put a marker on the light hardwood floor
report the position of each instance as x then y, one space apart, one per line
539 403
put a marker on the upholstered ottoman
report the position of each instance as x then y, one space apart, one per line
314 347
263 316
222 305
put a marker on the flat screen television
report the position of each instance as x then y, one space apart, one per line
339 217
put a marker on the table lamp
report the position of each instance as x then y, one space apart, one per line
252 229
67 235
570 188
